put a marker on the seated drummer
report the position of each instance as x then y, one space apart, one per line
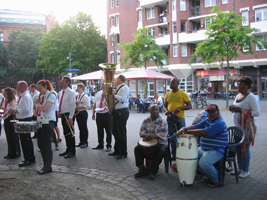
153 127
214 139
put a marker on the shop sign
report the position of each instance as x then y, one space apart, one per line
216 78
215 72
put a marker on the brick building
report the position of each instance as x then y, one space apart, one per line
12 20
178 26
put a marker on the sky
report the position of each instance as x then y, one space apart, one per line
62 9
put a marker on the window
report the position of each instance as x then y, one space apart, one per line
263 37
117 3
112 40
29 80
1 37
245 21
112 21
210 3
2 80
184 50
139 15
112 4
206 22
150 13
224 1
261 14
118 38
174 27
152 32
117 20
118 57
182 5
174 5
245 49
183 26
20 79
11 79
175 52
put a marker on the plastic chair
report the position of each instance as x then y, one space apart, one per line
237 136
172 130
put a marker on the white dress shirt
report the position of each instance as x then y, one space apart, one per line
50 112
122 97
25 106
84 100
68 102
97 100
35 97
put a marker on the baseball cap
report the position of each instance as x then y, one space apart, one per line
212 107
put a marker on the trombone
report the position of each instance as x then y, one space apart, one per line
70 127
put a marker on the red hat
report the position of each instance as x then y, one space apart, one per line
212 107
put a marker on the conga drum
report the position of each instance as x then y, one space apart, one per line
186 158
149 150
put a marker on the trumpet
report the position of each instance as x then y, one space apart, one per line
76 109
70 127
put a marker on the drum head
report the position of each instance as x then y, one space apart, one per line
186 135
148 143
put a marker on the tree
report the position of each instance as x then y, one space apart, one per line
3 61
142 50
24 49
226 39
81 37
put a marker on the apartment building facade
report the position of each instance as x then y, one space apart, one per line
14 19
179 25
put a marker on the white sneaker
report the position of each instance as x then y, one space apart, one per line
244 174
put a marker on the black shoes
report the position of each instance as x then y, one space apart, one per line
121 156
84 146
64 153
69 155
108 149
78 145
115 153
98 147
44 171
10 157
26 163
151 175
142 171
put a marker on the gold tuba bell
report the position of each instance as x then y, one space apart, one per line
109 70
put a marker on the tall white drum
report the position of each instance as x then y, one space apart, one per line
186 158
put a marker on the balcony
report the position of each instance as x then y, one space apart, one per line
262 26
164 40
194 37
151 3
194 11
115 30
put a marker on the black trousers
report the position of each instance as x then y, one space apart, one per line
103 121
26 144
82 124
119 131
139 157
44 136
12 137
70 140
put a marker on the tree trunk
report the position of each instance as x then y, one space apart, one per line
145 81
227 85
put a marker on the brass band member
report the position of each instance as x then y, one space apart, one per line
48 106
35 95
120 117
82 105
67 104
23 112
11 136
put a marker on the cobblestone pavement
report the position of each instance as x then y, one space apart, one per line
97 164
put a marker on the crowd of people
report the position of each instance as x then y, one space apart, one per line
46 106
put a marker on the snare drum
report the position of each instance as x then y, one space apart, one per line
186 158
25 127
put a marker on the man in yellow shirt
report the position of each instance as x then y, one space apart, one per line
176 101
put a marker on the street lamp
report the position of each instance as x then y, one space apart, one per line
69 58
113 43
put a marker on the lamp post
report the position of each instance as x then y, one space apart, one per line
113 43
69 58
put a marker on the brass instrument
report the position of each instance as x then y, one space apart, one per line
109 70
70 127
76 109
6 115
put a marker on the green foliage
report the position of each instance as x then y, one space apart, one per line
141 50
24 49
3 61
78 35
